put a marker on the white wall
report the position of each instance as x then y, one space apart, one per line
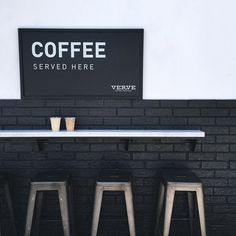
190 45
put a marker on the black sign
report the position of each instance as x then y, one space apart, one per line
81 62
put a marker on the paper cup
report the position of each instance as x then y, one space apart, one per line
70 123
55 123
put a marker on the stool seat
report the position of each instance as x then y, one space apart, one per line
177 178
114 176
51 177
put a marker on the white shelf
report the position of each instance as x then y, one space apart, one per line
103 134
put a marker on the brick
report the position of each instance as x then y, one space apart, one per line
159 147
60 103
102 112
45 112
233 148
226 103
117 121
173 165
117 103
202 103
173 121
225 156
214 165
75 147
17 165
201 121
226 121
146 103
214 112
103 147
158 112
7 121
226 139
232 182
232 130
233 165
86 120
225 209
186 112
132 147
216 130
231 199
30 103
173 156
174 103
203 173
16 112
145 121
225 191
18 148
31 121
145 156
77 112
214 182
201 156
130 112
215 147
7 103
225 173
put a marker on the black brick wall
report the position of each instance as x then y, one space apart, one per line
214 159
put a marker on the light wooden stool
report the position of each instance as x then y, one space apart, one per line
180 181
43 182
113 182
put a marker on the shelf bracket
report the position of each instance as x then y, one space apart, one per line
193 144
41 144
127 141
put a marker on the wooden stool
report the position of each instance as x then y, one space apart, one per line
180 181
4 185
113 182
49 182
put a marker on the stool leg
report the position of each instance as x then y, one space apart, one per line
170 195
200 202
71 209
97 209
159 207
190 208
63 199
9 203
30 211
38 209
130 210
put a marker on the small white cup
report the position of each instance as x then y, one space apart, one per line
70 123
55 123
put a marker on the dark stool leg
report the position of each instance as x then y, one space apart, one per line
63 199
9 203
130 209
97 209
38 209
170 195
159 207
30 210
190 208
200 202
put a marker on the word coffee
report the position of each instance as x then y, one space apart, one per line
60 49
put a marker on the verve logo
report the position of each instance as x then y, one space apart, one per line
123 88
